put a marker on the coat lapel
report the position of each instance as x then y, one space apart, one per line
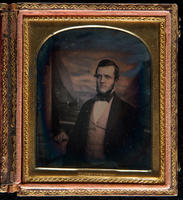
114 113
86 116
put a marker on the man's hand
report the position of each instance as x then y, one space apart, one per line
62 139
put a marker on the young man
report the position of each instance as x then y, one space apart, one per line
106 129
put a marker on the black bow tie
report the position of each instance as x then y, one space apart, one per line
104 97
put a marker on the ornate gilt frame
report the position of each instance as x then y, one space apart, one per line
28 180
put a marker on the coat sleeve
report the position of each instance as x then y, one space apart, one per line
138 146
77 137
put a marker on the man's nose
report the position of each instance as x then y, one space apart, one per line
102 79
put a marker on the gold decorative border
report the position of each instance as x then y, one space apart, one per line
172 189
8 134
12 55
28 19
3 188
94 192
174 100
27 140
162 99
26 108
3 6
99 6
5 112
13 36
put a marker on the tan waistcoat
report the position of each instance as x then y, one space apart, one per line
96 134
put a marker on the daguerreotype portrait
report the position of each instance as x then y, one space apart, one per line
93 108
94 100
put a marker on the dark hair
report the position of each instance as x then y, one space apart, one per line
105 63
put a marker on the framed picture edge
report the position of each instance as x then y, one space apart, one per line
27 184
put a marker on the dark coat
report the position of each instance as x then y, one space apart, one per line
120 143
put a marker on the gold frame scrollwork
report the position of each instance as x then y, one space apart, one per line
82 6
5 113
9 80
28 123
174 98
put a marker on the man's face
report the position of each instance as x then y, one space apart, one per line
105 79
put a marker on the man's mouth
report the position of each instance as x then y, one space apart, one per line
102 85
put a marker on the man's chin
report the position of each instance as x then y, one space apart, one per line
103 92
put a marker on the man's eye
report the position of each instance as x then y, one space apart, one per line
107 77
99 76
